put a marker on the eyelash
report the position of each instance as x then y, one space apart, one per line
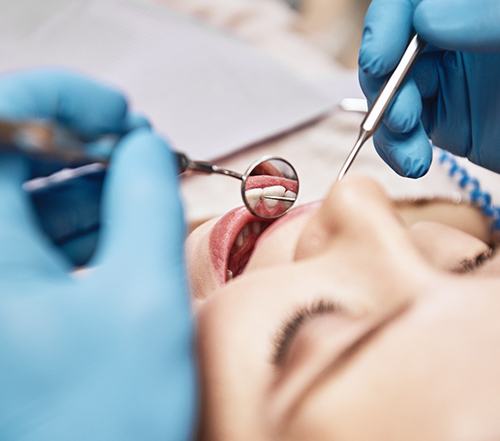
290 327
468 266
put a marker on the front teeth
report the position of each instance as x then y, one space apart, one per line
274 190
256 194
253 196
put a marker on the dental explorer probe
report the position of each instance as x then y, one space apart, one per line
375 115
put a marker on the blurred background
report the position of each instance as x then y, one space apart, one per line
334 25
222 80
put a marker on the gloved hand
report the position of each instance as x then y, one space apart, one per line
105 354
453 96
91 110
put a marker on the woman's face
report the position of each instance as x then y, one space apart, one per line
353 319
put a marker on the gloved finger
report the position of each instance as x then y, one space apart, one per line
404 113
409 155
462 25
387 30
70 215
23 249
103 147
425 73
136 121
89 108
143 223
429 116
447 113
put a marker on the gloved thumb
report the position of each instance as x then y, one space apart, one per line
464 25
143 223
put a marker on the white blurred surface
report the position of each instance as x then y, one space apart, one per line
208 92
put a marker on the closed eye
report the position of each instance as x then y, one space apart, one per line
291 326
468 266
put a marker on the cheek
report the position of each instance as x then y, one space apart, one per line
415 380
445 247
201 273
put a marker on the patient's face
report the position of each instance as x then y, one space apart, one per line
353 319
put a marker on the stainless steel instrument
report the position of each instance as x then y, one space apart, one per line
269 186
375 115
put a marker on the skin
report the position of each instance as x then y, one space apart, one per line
410 351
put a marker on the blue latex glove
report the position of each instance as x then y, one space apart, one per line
69 214
453 96
107 354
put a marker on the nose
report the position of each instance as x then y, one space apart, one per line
356 209
364 246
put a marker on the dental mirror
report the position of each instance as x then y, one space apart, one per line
269 187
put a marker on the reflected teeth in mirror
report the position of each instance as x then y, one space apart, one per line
253 196
274 190
270 203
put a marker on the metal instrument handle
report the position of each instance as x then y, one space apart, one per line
375 115
44 140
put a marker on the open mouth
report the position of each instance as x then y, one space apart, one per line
234 236
233 240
